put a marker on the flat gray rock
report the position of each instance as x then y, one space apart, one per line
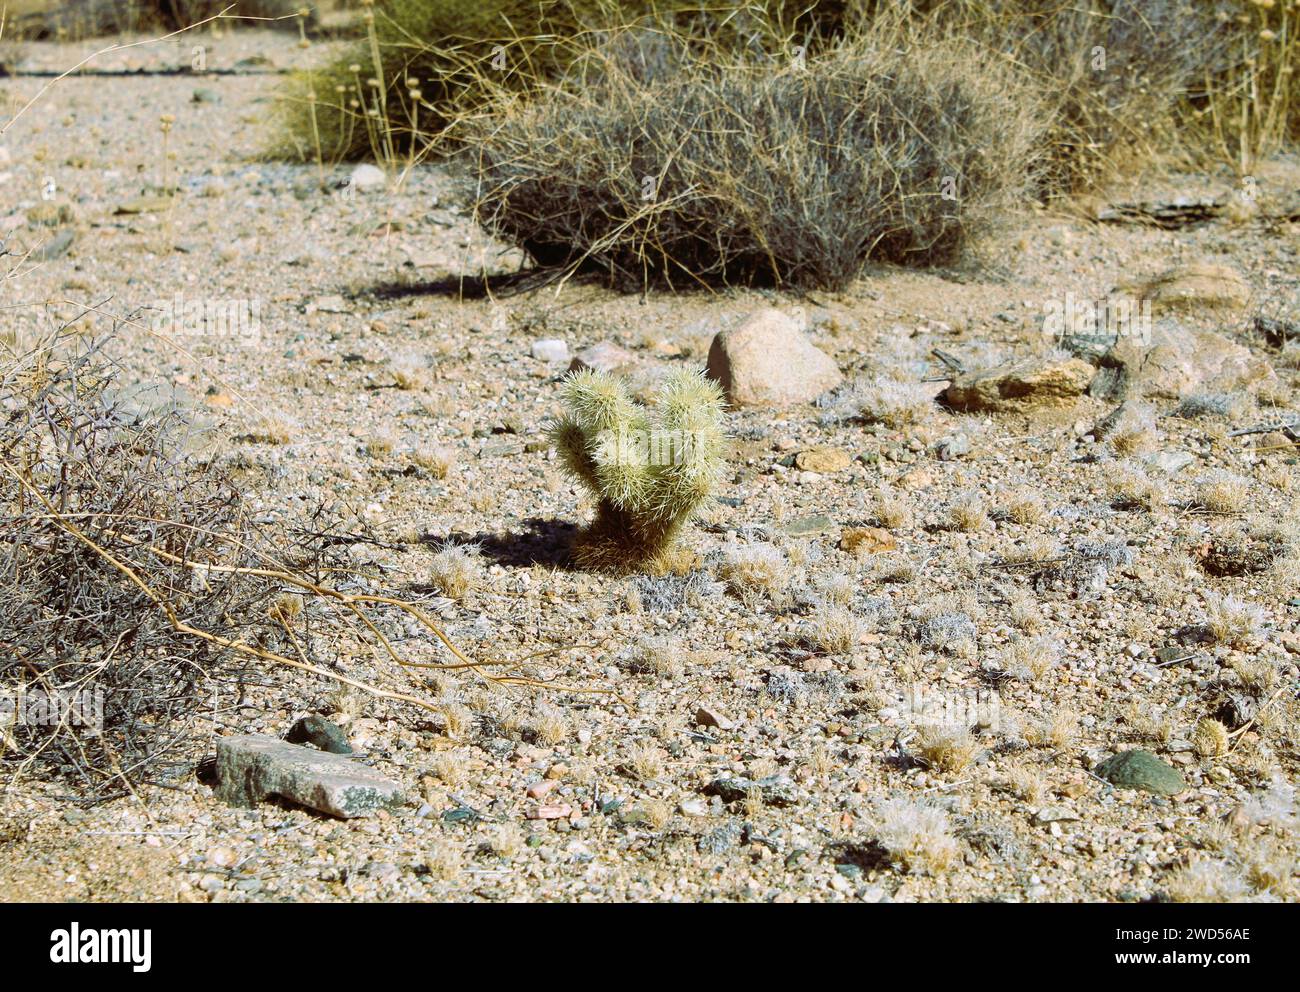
252 767
776 790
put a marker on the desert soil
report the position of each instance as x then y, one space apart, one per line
624 771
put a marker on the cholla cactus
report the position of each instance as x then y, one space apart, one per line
650 468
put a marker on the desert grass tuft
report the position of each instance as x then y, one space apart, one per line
917 835
946 748
1210 738
756 571
1030 658
1222 492
1233 621
456 570
968 514
836 629
437 460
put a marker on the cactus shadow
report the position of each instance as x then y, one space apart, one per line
538 542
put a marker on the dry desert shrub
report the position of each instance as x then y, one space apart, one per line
423 68
1226 405
734 170
1025 612
80 464
1118 83
420 65
76 19
1250 105
1114 73
134 583
835 589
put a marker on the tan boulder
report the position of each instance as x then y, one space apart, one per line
1020 386
1178 360
867 540
825 460
767 361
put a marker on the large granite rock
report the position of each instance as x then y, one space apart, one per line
1178 360
768 361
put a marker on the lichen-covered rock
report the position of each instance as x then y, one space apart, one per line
812 526
775 790
1139 769
723 838
320 733
252 767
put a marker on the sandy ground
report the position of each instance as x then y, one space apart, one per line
1013 804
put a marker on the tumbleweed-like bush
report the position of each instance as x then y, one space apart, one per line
425 67
75 19
136 588
649 469
1116 75
87 479
791 171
